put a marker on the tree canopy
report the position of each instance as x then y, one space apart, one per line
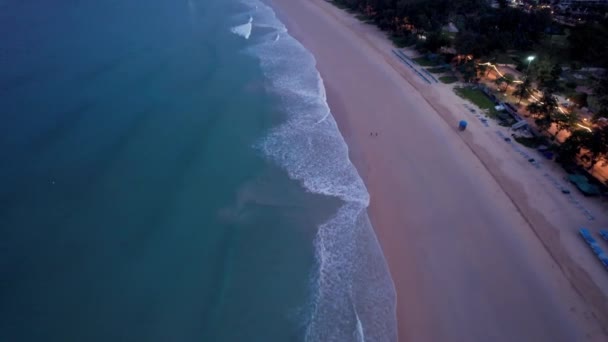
589 43
523 89
601 92
590 146
545 107
482 29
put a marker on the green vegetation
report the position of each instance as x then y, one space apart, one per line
448 79
505 81
483 29
450 35
523 89
401 41
532 142
579 99
589 43
343 5
478 98
438 70
601 97
364 18
546 113
423 61
584 146
504 58
507 34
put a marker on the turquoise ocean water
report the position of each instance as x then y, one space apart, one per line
170 171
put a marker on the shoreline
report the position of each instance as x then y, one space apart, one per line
536 295
310 148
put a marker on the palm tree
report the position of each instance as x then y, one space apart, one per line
482 69
563 120
601 92
522 89
569 150
507 79
597 145
543 123
545 107
468 71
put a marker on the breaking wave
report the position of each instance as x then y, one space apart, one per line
353 297
244 30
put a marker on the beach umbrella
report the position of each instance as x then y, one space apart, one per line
462 125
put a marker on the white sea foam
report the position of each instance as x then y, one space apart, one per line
359 335
244 30
353 295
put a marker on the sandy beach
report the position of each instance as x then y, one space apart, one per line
480 245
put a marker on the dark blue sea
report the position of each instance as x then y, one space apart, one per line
170 171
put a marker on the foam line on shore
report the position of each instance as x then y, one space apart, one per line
310 148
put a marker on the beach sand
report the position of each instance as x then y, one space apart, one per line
480 246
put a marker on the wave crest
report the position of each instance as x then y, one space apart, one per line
353 295
244 30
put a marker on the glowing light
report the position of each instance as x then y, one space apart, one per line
584 127
539 101
497 71
531 58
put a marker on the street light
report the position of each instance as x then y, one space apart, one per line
530 59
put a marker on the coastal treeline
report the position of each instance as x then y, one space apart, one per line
589 146
586 146
589 42
482 29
